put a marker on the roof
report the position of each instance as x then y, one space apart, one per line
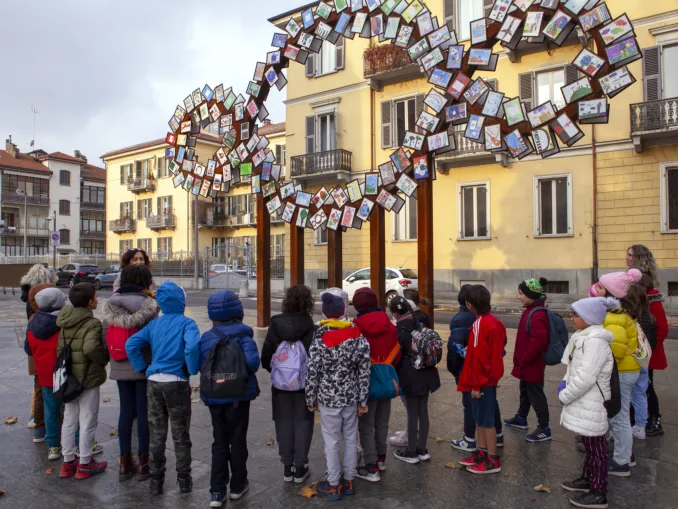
21 162
279 17
62 157
201 136
93 172
272 128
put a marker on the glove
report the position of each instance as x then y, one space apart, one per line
561 386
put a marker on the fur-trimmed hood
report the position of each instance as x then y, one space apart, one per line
130 310
39 274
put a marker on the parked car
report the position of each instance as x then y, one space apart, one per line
107 277
74 273
218 268
397 280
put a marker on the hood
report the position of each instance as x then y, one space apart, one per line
72 317
129 310
224 306
235 329
38 274
292 327
34 291
171 298
537 304
43 325
374 326
334 338
596 331
407 324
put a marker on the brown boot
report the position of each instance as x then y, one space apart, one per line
143 471
126 467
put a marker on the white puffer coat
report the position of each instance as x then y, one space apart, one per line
589 360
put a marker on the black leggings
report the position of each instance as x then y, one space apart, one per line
417 420
652 400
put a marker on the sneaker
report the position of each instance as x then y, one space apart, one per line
156 485
516 422
579 485
580 447
613 468
185 483
489 466
381 462
68 469
238 493
369 473
477 457
590 500
348 488
217 499
539 435
500 440
38 436
466 444
54 453
632 463
301 474
92 468
325 489
407 456
638 432
399 439
654 426
96 449
423 455
288 473
31 422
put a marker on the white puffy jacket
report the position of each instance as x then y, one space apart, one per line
589 360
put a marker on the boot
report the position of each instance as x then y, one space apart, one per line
126 467
185 482
654 426
156 484
143 471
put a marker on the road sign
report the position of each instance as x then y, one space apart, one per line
54 239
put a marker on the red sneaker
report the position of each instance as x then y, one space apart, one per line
489 466
68 469
477 457
92 468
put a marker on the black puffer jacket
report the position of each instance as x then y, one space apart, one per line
413 382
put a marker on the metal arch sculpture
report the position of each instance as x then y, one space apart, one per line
503 125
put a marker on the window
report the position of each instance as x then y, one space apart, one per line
557 287
660 77
163 171
65 178
398 117
669 197
165 205
548 87
361 275
328 60
145 244
537 87
125 245
64 208
468 10
553 205
165 247
92 247
673 289
127 210
144 208
281 157
142 168
474 211
65 236
92 221
93 194
126 174
321 133
405 222
320 236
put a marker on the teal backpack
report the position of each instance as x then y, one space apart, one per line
384 382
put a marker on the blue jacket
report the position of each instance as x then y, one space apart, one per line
243 334
174 339
460 327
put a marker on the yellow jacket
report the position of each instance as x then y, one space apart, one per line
625 342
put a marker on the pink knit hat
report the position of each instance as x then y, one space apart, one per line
593 291
617 283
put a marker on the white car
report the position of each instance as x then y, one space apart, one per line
397 280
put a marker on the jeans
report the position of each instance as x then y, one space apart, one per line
84 412
532 395
229 429
621 423
52 417
417 414
133 402
338 423
293 427
373 428
470 422
639 398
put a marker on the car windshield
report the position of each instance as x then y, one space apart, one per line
408 273
218 267
89 268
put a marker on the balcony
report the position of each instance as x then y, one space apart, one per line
322 165
30 200
468 153
89 234
654 123
215 216
161 222
124 225
18 231
88 205
388 64
141 185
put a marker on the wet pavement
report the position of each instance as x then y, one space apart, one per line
28 480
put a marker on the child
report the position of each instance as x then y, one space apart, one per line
460 327
230 417
416 385
528 360
175 355
129 309
293 421
338 384
381 334
421 316
82 332
42 336
483 368
583 392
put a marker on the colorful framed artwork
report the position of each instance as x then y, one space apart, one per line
588 62
542 114
513 111
578 90
365 209
623 52
435 100
371 184
421 169
616 29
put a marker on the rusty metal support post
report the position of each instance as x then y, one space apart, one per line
296 255
378 255
263 264
425 239
334 259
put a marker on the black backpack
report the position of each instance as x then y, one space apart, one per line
66 387
224 374
612 405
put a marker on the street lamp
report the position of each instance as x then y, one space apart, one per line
49 219
21 192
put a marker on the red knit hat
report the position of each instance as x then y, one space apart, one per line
365 300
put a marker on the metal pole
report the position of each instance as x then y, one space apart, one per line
196 245
25 227
55 248
5 226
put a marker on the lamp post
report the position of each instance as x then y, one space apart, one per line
21 192
49 219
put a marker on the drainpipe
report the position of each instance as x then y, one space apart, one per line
594 224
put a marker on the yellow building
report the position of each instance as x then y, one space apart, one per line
496 220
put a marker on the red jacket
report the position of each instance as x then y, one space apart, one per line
658 359
42 336
528 355
484 362
380 333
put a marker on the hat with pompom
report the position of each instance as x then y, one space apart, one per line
594 310
334 303
618 283
534 288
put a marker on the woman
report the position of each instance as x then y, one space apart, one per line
133 257
293 421
129 309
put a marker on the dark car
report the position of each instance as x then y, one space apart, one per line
74 273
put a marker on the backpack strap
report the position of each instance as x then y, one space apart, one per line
529 316
390 357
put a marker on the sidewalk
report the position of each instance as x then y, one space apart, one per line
26 477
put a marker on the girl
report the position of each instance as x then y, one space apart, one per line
129 309
134 257
583 392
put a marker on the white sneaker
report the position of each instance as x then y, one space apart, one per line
638 432
399 439
31 422
54 453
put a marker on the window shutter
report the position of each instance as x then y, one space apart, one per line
449 11
310 134
419 107
121 211
339 48
310 65
138 210
571 74
652 76
334 130
492 83
386 124
487 4
122 175
278 154
159 203
525 88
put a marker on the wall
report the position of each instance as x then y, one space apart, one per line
71 193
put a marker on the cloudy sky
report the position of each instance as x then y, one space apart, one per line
106 74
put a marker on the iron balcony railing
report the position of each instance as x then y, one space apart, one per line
92 205
385 58
321 162
122 225
141 185
18 231
161 222
90 234
654 115
30 200
466 147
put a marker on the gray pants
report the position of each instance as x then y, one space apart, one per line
335 424
373 427
83 411
417 415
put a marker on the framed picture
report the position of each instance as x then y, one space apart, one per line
377 25
339 196
266 169
252 143
427 121
323 30
180 154
348 217
474 127
392 25
302 217
245 169
188 102
545 143
461 81
595 17
307 18
456 114
418 50
271 77
211 166
555 27
575 6
268 189
493 137
174 167
229 101
275 172
440 78
353 189
424 23
171 139
533 22
623 52
279 41
517 145
340 5
228 174
204 112
513 111
234 159
617 81
578 90
388 6
616 29
318 219
476 91
400 160
288 213
509 28
197 97
323 10
435 100
523 5
421 169
588 62
274 204
320 197
259 70
371 184
541 114
440 37
216 182
181 140
207 93
303 199
438 141
499 10
178 179
550 4
479 56
492 104
404 36
252 109
413 140
387 174
188 183
386 199
594 111
292 28
412 11
359 22
215 113
406 184
478 31
173 123
365 209
255 182
334 219
432 59
566 130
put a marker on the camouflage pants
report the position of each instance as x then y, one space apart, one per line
169 401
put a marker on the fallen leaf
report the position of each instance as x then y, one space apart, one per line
11 420
450 465
49 471
270 442
195 388
439 439
541 487
107 399
113 433
195 399
309 491
2 492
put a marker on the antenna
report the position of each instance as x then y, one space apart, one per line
34 111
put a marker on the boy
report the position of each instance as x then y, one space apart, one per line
175 355
337 384
528 360
82 332
483 368
230 417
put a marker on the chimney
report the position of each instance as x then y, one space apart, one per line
11 147
80 155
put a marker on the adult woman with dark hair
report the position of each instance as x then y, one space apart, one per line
133 257
293 422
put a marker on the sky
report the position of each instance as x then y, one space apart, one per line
106 74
